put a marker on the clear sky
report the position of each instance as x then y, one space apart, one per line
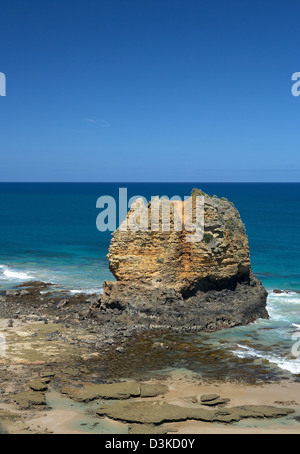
148 90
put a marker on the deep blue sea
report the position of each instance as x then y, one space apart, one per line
48 232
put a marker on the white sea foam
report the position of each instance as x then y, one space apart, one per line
284 307
292 297
88 291
292 365
12 274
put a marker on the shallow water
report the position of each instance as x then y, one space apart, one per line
260 351
80 417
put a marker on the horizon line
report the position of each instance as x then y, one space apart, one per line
149 182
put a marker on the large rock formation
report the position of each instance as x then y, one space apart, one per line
172 282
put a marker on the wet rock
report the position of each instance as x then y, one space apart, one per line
149 412
38 385
24 293
209 397
62 303
26 399
157 412
12 293
48 374
152 390
36 284
215 402
93 300
46 380
122 390
287 402
262 411
90 391
235 414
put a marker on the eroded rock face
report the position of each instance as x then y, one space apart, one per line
168 258
205 284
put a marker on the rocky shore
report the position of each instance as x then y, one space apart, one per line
58 348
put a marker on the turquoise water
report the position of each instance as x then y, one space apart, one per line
48 232
81 417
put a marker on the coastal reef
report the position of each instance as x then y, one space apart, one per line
180 279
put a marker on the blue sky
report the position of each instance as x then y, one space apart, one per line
146 90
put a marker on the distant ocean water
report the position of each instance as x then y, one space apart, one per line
48 232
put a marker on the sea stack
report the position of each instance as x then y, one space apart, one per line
170 282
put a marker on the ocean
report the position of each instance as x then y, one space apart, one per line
48 233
